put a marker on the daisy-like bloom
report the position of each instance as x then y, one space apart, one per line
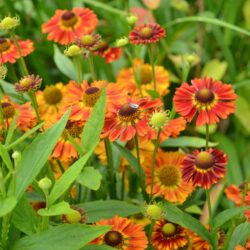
127 80
206 97
108 53
88 41
83 97
64 150
9 52
128 118
26 118
168 181
124 234
168 236
66 25
27 83
50 101
198 243
204 168
147 34
235 194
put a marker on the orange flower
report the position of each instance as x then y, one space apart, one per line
143 71
198 243
9 52
168 180
209 98
168 236
64 150
246 247
26 118
27 83
204 168
51 101
128 118
66 25
147 33
83 97
124 234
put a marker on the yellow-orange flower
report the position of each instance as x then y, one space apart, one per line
168 180
126 79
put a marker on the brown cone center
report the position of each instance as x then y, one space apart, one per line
4 45
73 129
204 95
169 175
69 19
52 95
113 238
145 74
129 112
204 160
8 110
146 32
91 95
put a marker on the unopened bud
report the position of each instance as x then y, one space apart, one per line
121 42
73 50
132 19
9 23
45 183
153 212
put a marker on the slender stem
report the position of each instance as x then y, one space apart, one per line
45 219
209 208
151 231
137 79
123 184
110 170
24 69
77 62
5 230
153 163
91 67
151 58
35 105
138 157
207 136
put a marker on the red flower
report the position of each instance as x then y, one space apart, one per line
66 25
147 33
9 52
128 118
209 98
204 168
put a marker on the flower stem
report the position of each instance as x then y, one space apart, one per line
5 230
110 170
91 67
151 58
23 66
153 163
207 136
35 105
78 68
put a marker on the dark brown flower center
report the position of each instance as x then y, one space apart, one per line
204 160
4 45
91 95
73 129
129 112
130 144
69 19
169 229
52 95
204 95
145 74
8 110
146 32
113 238
169 175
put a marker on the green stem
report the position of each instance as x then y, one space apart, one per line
45 219
207 136
35 105
5 230
151 231
77 62
153 163
91 67
151 58
229 235
110 170
123 184
23 66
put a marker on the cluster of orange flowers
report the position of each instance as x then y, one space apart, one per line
129 113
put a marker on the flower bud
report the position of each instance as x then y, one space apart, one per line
45 183
121 42
73 50
153 211
9 23
73 217
131 19
159 119
17 157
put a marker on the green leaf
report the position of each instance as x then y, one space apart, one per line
5 156
239 235
64 64
24 136
93 127
57 209
246 13
226 215
243 112
36 154
179 217
11 129
70 237
7 205
194 209
24 217
90 178
98 247
96 210
129 157
215 69
187 141
68 177
234 174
